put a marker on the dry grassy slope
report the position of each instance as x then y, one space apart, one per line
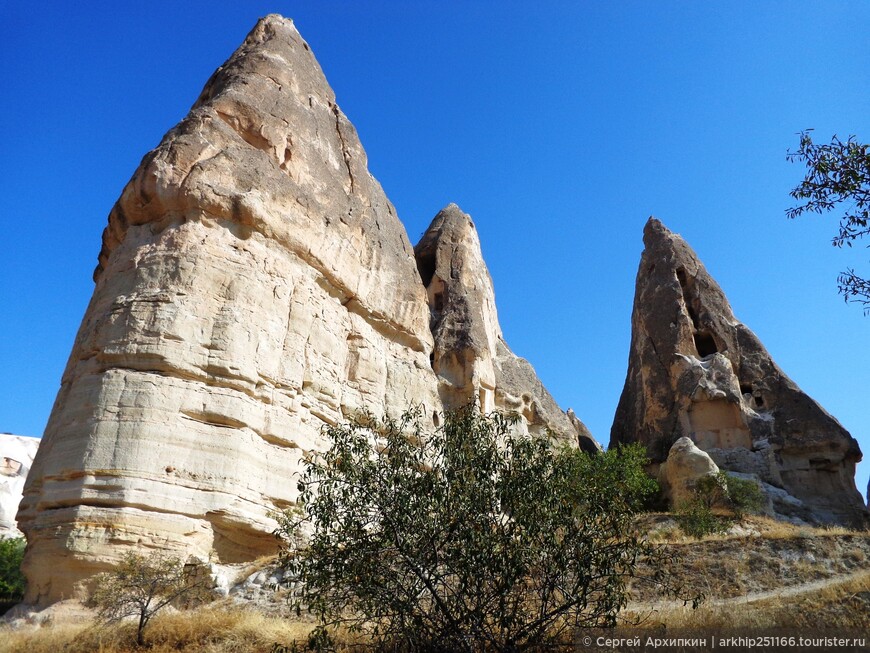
764 555
768 575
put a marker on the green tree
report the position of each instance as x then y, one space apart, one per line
838 173
142 586
11 579
465 539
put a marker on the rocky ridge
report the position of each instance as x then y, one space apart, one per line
694 370
254 284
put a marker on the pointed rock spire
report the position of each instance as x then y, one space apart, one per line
254 284
471 358
694 370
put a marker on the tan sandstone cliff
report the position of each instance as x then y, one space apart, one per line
694 370
254 284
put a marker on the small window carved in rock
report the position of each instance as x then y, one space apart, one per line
438 301
436 419
705 344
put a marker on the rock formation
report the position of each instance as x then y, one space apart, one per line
254 284
695 371
685 466
471 358
16 457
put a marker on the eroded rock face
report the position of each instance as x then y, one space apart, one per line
16 458
471 358
254 284
241 302
694 370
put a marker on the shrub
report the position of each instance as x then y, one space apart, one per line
142 586
11 579
744 494
464 539
696 517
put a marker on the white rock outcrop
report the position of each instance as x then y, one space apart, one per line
16 458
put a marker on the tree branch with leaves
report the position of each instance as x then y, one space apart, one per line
838 174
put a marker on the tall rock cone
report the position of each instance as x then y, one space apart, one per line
471 358
254 284
694 370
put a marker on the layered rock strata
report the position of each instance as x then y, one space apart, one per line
471 358
16 458
694 370
254 284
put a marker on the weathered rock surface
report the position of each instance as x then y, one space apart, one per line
686 464
471 358
254 284
16 458
694 370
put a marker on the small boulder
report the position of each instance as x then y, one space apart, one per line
685 466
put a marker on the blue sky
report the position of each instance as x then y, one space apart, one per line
559 126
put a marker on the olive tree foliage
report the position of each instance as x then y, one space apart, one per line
838 173
466 538
141 586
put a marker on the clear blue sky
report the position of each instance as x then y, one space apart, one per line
560 126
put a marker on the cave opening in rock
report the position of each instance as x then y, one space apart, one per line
438 301
693 314
426 266
705 344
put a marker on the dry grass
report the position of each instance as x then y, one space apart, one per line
764 554
215 630
663 528
844 605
